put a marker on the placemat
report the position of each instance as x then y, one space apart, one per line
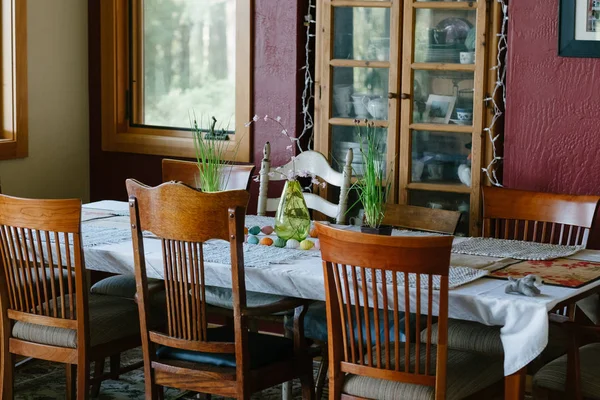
560 272
513 249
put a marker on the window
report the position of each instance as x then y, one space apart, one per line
165 62
13 100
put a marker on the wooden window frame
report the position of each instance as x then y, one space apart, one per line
121 136
13 99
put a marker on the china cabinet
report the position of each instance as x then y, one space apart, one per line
417 69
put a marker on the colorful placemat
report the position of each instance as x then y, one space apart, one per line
560 272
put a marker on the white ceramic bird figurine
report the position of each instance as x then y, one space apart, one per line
464 174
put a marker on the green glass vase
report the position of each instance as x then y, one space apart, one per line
292 220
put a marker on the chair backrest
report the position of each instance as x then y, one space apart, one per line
187 172
183 219
43 277
421 218
365 271
313 163
538 217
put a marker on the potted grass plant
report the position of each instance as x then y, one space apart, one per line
373 186
211 147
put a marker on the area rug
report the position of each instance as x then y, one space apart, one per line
42 380
560 272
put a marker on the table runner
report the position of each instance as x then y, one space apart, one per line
457 276
513 249
560 272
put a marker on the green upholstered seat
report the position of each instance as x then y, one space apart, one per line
110 318
467 374
553 376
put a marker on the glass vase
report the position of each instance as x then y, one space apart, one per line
292 220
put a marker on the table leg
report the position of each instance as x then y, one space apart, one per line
514 385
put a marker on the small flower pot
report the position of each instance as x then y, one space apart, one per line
380 230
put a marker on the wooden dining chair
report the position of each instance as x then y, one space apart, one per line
47 317
313 163
237 176
365 271
188 354
529 216
421 218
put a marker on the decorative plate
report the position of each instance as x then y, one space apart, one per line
456 29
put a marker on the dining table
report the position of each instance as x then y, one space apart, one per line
476 296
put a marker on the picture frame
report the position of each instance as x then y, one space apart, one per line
579 28
438 109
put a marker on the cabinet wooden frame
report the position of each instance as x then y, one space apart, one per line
402 66
324 78
13 100
475 130
118 133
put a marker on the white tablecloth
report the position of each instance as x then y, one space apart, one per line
524 320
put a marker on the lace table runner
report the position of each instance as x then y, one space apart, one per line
457 276
520 250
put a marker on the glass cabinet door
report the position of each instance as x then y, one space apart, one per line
442 106
358 72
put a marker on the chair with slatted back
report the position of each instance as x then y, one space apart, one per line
421 218
188 354
365 271
312 163
529 216
236 176
47 317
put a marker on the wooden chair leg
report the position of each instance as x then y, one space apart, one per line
286 387
307 381
71 374
322 374
115 366
98 372
7 363
83 381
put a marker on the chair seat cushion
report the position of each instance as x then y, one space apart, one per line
553 376
467 374
223 297
110 318
121 286
315 324
479 338
263 350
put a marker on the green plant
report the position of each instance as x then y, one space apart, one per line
373 186
211 148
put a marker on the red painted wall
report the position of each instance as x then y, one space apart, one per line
278 82
552 140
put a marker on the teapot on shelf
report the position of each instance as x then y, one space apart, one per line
377 107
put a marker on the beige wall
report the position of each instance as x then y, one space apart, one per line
58 162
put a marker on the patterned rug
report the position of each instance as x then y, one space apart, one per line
560 272
42 380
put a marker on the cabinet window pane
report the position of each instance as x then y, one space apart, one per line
184 62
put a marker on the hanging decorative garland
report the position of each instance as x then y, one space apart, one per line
308 92
497 99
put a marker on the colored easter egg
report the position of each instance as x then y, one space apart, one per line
245 231
267 230
279 242
266 241
292 244
313 233
306 244
317 245
255 230
252 240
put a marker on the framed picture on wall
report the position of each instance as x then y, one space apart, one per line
438 109
579 28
